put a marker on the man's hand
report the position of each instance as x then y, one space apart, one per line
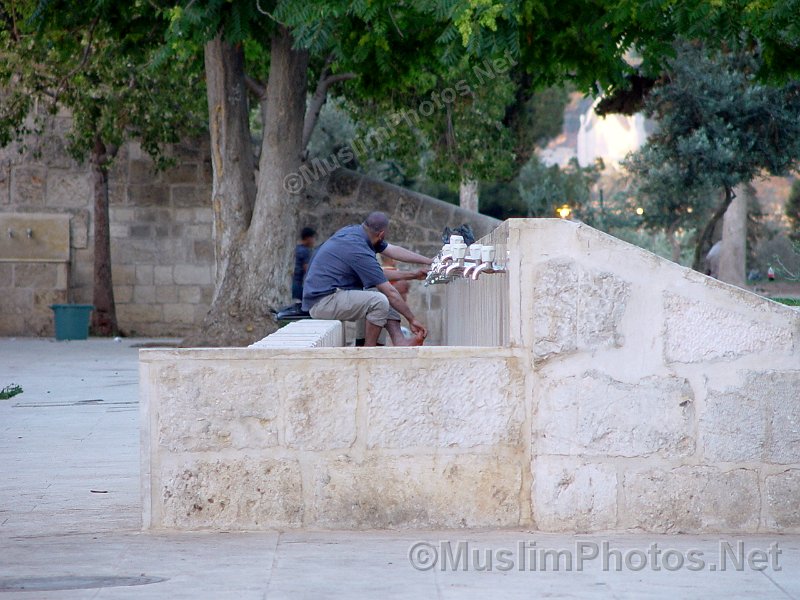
418 329
420 274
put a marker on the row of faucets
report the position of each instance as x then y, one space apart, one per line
457 259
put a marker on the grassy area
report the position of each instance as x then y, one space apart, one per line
788 301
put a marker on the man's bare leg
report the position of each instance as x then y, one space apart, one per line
371 333
398 339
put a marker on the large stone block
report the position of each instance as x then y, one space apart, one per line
70 189
343 182
758 420
461 403
148 195
180 313
576 309
782 500
783 389
213 407
181 173
320 407
691 499
79 225
191 275
238 493
697 331
28 185
575 498
188 196
36 275
595 415
394 492
733 427
437 215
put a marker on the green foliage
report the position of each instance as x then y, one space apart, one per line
787 301
545 188
102 71
718 127
10 391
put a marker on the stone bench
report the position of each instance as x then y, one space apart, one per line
308 333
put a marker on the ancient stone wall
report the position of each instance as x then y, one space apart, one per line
161 233
352 438
665 400
632 394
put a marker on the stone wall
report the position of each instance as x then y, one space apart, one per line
161 232
666 400
332 437
633 394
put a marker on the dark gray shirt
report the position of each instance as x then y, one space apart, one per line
345 261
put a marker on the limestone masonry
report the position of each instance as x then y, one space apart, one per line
608 389
161 234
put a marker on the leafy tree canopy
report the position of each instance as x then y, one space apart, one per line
718 127
108 81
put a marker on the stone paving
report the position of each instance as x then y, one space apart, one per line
70 518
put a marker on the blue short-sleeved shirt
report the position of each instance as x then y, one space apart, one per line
345 261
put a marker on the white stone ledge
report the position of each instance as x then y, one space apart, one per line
151 355
310 333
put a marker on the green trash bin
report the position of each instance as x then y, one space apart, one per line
72 321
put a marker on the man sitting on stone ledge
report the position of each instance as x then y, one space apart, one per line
346 283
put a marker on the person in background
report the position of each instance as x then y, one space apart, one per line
302 258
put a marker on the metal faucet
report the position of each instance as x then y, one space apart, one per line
459 250
474 258
455 266
479 269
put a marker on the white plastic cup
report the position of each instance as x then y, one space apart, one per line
456 239
487 253
475 251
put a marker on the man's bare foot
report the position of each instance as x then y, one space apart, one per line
412 341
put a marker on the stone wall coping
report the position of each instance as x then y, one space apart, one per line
725 292
153 355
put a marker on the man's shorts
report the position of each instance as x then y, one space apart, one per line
354 305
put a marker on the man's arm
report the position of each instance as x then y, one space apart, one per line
396 302
397 275
401 254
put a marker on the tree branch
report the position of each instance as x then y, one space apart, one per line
84 59
319 99
255 86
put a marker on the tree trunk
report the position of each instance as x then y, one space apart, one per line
104 316
703 243
734 241
675 245
234 190
269 252
255 222
468 194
